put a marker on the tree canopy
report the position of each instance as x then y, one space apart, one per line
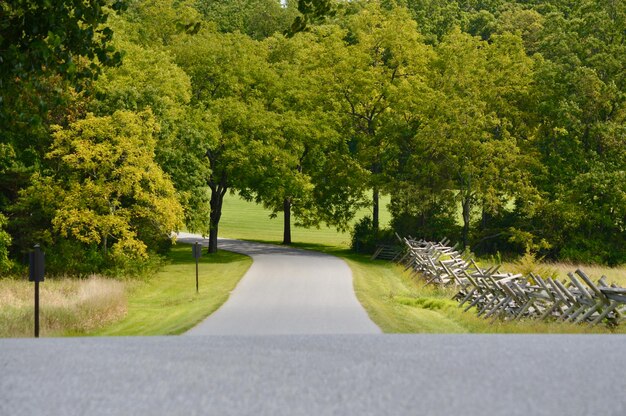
499 123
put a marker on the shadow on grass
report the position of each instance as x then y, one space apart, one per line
338 251
182 253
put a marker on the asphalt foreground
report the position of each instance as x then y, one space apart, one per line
315 375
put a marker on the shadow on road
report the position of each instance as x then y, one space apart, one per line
249 248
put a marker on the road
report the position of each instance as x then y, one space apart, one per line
311 374
287 291
315 375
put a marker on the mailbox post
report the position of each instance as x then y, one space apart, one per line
197 253
36 273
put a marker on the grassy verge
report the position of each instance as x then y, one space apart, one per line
163 304
66 306
167 303
398 302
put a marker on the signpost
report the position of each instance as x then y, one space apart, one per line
197 253
36 272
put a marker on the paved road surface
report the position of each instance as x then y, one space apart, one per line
469 375
287 291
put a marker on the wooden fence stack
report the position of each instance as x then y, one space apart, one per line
513 296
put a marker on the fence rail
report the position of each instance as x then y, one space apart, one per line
495 293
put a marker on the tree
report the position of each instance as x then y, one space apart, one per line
258 19
470 133
321 182
229 76
435 18
48 53
38 37
380 51
312 11
106 190
580 106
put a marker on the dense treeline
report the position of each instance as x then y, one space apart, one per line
499 123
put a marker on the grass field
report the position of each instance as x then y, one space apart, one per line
163 304
249 221
167 303
67 306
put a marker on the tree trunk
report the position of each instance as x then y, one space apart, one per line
217 198
218 185
467 209
375 209
287 221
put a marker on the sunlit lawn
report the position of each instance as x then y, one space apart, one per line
249 221
167 303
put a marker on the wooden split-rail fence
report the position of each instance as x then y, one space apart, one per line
495 293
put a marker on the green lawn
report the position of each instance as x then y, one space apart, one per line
398 302
167 303
249 221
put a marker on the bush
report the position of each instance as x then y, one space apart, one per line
5 242
435 228
365 238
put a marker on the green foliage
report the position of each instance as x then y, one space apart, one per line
5 242
107 199
312 11
42 36
114 185
147 79
365 237
499 122
258 19
530 263
157 23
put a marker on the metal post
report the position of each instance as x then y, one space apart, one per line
36 308
197 253
36 271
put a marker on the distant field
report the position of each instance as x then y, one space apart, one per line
250 221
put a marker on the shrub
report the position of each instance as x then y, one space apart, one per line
365 237
5 242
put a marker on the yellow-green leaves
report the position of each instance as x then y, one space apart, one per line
110 188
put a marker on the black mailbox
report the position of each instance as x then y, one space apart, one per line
37 265
197 250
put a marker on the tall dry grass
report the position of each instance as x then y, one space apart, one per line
615 275
67 306
559 270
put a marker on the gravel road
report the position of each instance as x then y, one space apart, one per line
287 291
